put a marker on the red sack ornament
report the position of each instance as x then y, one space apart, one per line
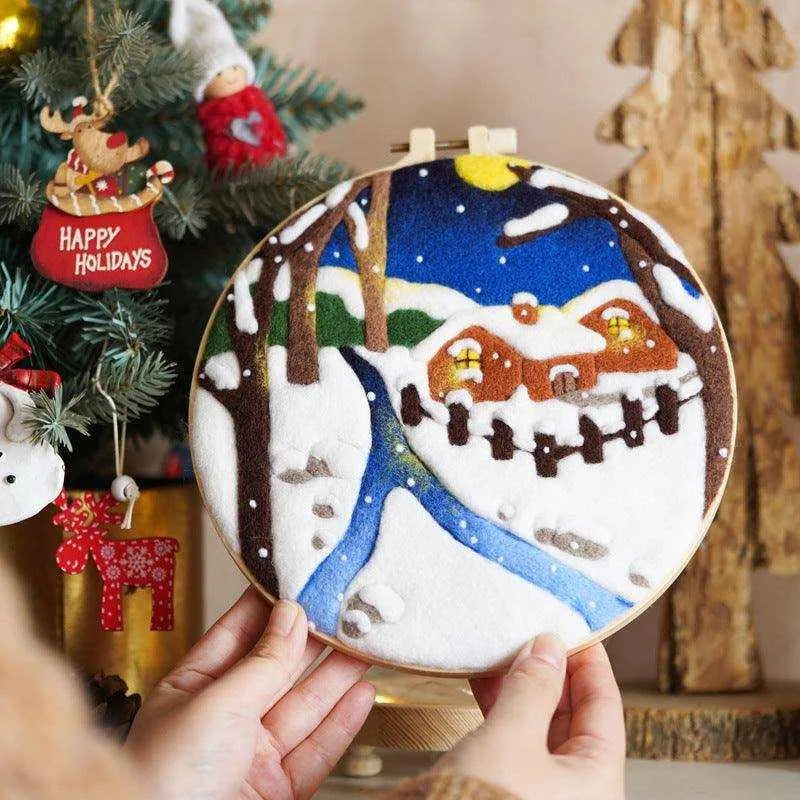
148 562
97 231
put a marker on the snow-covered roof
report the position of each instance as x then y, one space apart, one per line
554 334
603 293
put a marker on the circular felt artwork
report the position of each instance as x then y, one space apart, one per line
453 405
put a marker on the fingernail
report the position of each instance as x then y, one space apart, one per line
282 618
549 648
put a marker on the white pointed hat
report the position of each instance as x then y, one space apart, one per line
200 28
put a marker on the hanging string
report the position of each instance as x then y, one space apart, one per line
123 487
102 96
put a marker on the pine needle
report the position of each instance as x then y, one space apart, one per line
49 419
21 197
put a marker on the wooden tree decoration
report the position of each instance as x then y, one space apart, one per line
703 121
361 205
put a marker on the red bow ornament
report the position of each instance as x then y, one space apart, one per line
14 350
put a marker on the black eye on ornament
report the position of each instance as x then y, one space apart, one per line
11 478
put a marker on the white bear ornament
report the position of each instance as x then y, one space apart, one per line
31 475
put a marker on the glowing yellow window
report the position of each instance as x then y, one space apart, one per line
468 358
619 327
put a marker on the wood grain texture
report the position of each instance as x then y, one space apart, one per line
703 121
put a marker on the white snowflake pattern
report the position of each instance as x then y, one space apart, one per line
163 548
107 552
101 184
138 561
159 574
113 573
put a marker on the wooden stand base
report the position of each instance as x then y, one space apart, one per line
419 713
752 726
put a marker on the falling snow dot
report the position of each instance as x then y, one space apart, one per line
477 290
546 449
650 343
398 448
308 247
642 264
411 482
462 523
634 434
263 552
585 267
252 503
368 499
278 259
626 350
713 348
502 259
247 373
441 394
311 307
420 259
623 223
336 254
363 201
230 298
507 364
423 173
614 210
611 243
202 376
460 209
343 558
495 356
273 240
371 397
723 451
473 540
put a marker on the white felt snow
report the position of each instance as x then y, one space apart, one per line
361 237
547 177
223 370
214 456
548 216
437 579
674 294
384 600
344 283
658 230
460 344
297 228
38 471
603 293
338 193
242 299
329 420
554 334
282 285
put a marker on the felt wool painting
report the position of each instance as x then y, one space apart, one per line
452 405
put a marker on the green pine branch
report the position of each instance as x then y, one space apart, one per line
262 195
185 209
304 100
50 418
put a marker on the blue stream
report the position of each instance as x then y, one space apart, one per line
390 464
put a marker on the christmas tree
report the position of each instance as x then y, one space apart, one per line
704 121
136 349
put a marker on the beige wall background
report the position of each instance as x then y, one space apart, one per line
537 65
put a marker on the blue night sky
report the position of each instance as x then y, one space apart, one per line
460 250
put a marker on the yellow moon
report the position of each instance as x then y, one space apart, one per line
491 173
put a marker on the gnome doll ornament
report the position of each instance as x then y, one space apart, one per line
239 122
31 475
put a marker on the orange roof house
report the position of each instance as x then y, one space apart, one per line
490 351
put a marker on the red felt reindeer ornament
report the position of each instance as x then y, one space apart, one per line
148 562
97 231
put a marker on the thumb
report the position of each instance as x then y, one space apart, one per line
267 672
531 690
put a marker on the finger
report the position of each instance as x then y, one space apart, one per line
485 691
267 672
530 692
597 723
559 725
313 760
302 709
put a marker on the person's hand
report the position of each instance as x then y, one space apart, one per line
228 722
554 728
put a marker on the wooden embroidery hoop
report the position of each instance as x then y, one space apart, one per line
422 145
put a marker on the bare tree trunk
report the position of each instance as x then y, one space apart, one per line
371 261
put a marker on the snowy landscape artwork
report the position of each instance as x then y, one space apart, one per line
450 406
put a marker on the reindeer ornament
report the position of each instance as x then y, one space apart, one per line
97 230
31 475
142 563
